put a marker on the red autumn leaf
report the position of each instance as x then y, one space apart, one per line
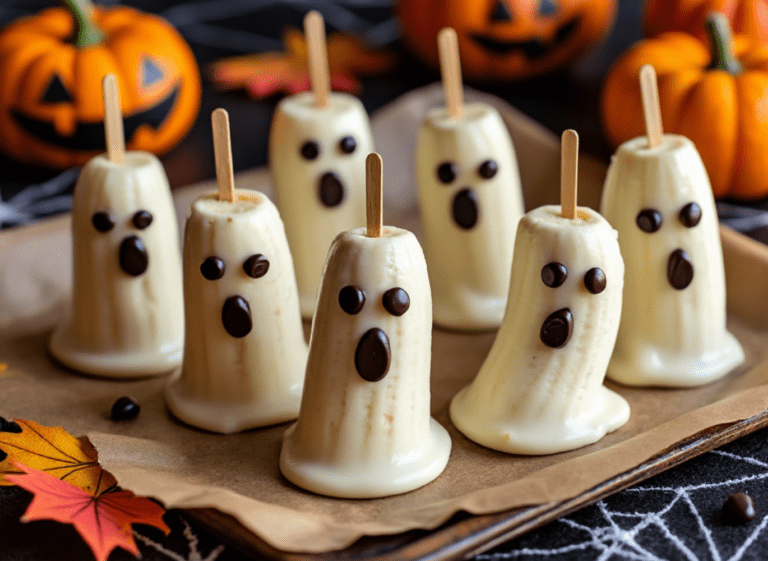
104 521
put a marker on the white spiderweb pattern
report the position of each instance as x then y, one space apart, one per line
674 516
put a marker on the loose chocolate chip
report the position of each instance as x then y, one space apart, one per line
557 329
554 274
331 190
488 169
447 172
396 301
103 221
595 281
351 299
142 219
133 256
348 144
213 268
649 220
679 269
310 150
125 408
256 266
236 316
465 209
690 215
373 355
738 509
9 426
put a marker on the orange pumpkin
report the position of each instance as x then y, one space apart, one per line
749 17
501 40
719 100
51 67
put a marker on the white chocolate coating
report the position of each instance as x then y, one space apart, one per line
310 225
529 398
668 337
356 438
229 383
123 325
469 268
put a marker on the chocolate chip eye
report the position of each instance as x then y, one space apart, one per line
256 266
396 301
649 220
690 215
142 219
213 268
554 274
351 299
348 144
103 221
447 172
595 281
488 169
310 150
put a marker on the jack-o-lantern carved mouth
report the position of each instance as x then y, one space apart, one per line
533 48
90 135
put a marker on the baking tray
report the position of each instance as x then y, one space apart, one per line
34 285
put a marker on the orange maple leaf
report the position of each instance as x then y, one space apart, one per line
54 451
104 521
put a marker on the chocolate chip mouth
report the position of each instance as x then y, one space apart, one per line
679 269
466 209
331 189
532 48
236 316
134 259
557 329
373 355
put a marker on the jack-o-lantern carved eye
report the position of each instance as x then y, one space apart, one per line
150 73
55 92
547 8
501 13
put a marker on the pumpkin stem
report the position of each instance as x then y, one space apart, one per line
87 33
719 32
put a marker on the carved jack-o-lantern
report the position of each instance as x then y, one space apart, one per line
506 39
51 67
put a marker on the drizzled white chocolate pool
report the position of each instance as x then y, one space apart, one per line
673 330
245 352
471 202
365 428
540 390
317 159
127 309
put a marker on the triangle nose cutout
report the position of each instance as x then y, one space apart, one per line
501 12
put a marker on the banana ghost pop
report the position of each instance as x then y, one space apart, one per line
317 148
658 196
245 352
127 309
540 390
471 202
364 429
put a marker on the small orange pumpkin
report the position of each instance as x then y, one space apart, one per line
501 40
51 67
749 17
719 100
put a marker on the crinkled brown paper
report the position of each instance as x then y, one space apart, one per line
238 474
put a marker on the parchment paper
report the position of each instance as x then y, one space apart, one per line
238 474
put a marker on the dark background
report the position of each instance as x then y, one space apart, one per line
673 516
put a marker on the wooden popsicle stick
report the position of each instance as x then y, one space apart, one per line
317 52
373 194
113 120
450 69
222 150
649 90
569 171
